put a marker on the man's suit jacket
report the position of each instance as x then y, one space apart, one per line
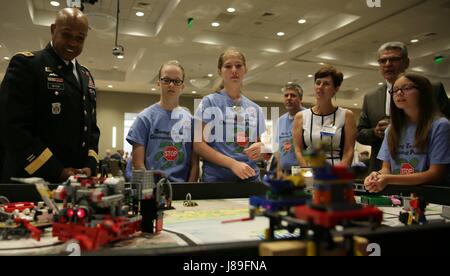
374 109
49 117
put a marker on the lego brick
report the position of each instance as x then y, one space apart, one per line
283 248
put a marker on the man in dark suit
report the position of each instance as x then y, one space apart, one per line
48 107
393 60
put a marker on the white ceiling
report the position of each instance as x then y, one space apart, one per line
345 33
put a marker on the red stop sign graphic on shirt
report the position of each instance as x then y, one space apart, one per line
241 140
406 169
170 153
287 146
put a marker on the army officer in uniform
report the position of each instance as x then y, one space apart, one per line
48 107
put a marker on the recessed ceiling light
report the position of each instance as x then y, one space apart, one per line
380 83
215 24
6 58
231 10
115 67
355 104
281 34
321 63
310 76
153 89
54 3
414 40
302 21
194 92
120 57
140 14
110 86
210 75
266 97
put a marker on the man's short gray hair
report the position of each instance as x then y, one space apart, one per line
394 45
293 86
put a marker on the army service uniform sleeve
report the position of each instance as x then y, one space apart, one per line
93 132
30 153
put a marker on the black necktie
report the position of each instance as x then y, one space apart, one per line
71 74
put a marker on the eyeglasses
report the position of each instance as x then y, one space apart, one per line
390 59
167 81
405 89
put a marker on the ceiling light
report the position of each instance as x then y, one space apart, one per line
200 82
210 75
140 14
302 21
310 76
153 89
266 97
380 83
281 34
355 104
6 58
414 40
116 67
194 92
110 86
215 24
54 3
231 10
120 56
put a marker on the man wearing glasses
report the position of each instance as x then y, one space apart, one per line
393 60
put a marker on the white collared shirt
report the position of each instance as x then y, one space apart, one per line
388 99
74 62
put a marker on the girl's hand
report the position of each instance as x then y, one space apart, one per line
242 170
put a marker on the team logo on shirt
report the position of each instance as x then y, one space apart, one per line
408 167
242 139
286 146
170 153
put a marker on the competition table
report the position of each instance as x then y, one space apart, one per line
200 230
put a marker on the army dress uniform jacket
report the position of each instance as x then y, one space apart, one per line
48 116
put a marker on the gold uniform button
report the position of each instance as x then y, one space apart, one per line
85 128
85 113
84 98
56 93
84 144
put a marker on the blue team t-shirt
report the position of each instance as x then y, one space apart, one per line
409 160
233 127
286 143
167 138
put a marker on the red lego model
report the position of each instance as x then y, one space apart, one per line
96 212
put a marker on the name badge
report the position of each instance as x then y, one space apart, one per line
328 131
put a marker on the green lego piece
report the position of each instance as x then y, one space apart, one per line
376 200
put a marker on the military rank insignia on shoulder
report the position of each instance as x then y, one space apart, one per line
26 54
